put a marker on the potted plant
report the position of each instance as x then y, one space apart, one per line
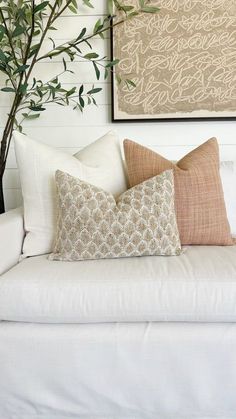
25 25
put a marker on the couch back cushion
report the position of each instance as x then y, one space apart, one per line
199 198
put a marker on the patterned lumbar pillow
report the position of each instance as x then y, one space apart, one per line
92 225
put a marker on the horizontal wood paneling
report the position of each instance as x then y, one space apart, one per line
174 152
69 131
83 72
102 98
68 27
102 47
99 8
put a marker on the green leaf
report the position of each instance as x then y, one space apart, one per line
2 32
98 26
23 88
21 69
36 108
27 116
131 15
34 82
89 45
53 42
33 49
40 7
112 63
8 89
64 64
3 69
94 90
78 106
94 101
130 83
71 91
55 81
91 56
81 89
81 101
19 30
97 71
150 9
37 32
72 9
73 6
101 34
106 73
82 33
87 3
3 57
39 92
127 8
118 79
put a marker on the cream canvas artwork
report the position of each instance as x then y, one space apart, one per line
182 61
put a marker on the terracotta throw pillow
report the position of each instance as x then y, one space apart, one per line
199 198
91 225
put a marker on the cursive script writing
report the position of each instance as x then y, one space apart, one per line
182 59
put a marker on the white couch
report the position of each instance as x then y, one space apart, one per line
140 338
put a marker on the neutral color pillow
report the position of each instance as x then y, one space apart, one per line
37 164
199 199
91 225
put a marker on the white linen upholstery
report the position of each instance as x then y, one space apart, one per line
199 285
118 371
11 238
37 165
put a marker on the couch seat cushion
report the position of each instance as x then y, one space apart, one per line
199 285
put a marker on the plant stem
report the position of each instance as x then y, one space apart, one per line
8 36
61 11
34 60
6 139
5 135
25 58
2 205
74 43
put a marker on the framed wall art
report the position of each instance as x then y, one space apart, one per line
182 61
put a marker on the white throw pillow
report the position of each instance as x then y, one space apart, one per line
99 164
228 177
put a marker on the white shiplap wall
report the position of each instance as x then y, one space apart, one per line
69 130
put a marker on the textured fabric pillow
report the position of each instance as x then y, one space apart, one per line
91 225
37 164
199 199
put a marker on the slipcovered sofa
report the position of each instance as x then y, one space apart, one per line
149 337
141 338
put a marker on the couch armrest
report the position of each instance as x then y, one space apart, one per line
11 238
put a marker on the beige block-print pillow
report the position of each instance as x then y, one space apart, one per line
92 225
